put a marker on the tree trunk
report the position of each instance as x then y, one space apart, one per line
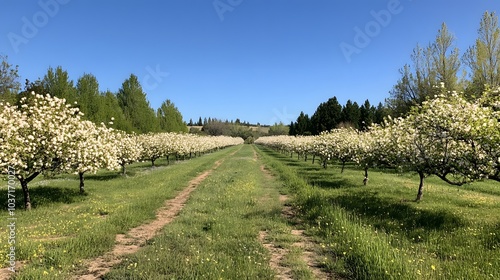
365 180
305 157
420 187
26 194
123 169
343 166
324 164
168 160
152 162
82 183
314 157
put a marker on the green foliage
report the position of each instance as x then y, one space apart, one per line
327 116
87 90
351 115
278 129
9 81
135 106
170 119
109 109
57 83
483 57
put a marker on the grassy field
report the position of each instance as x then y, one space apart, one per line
215 236
374 232
360 232
65 227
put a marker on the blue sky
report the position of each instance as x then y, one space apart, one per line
258 60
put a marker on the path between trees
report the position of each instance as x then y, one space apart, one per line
278 254
135 238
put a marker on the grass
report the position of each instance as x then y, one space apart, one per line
373 232
216 234
65 227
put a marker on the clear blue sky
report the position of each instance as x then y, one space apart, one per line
257 60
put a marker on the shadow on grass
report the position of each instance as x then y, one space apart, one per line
46 195
390 216
103 177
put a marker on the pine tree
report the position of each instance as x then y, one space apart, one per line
327 116
136 107
87 90
57 83
170 119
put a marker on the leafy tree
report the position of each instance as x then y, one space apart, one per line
135 106
483 57
327 116
278 129
432 66
9 81
170 119
445 58
57 83
87 90
110 110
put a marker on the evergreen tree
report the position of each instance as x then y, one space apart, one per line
292 129
57 83
190 122
136 107
88 97
327 116
367 115
200 122
350 114
303 125
380 113
110 110
170 119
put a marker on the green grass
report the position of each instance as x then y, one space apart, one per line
216 234
65 227
373 232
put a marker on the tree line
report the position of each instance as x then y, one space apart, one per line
128 108
331 114
439 63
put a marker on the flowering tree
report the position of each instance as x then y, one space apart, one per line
95 150
38 137
128 148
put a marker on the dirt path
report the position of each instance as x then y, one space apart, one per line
278 254
135 238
